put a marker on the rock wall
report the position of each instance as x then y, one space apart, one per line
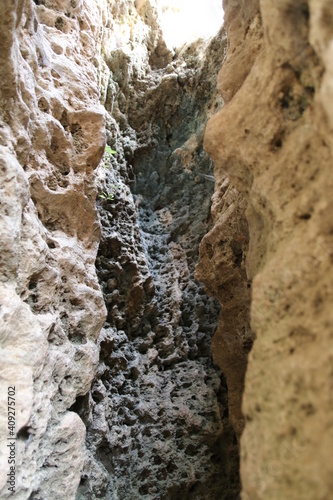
154 423
52 138
157 415
141 410
273 140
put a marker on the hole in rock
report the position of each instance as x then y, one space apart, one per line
81 407
305 216
34 281
64 120
77 337
59 24
43 105
51 244
24 433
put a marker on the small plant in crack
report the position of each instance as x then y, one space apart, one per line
109 151
107 155
108 196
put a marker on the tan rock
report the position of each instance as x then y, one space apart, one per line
274 141
222 269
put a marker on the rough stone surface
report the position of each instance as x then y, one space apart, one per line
274 141
141 410
155 422
51 139
157 415
221 268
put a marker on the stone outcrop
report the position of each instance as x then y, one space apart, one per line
157 414
155 422
222 269
105 330
273 140
52 138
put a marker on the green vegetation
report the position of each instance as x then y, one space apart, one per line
107 155
108 196
109 151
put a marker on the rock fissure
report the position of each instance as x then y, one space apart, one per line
165 323
158 424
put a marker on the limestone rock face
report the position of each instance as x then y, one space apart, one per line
274 142
222 269
51 139
140 409
157 415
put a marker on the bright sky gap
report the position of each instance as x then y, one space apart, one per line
186 20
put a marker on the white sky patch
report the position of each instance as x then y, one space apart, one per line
186 20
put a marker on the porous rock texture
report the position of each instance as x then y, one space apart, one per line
139 409
155 422
157 414
273 140
52 137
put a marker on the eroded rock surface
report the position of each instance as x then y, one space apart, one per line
222 269
157 414
52 138
274 141
141 410
155 422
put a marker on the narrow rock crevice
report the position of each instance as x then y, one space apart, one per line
181 348
158 424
